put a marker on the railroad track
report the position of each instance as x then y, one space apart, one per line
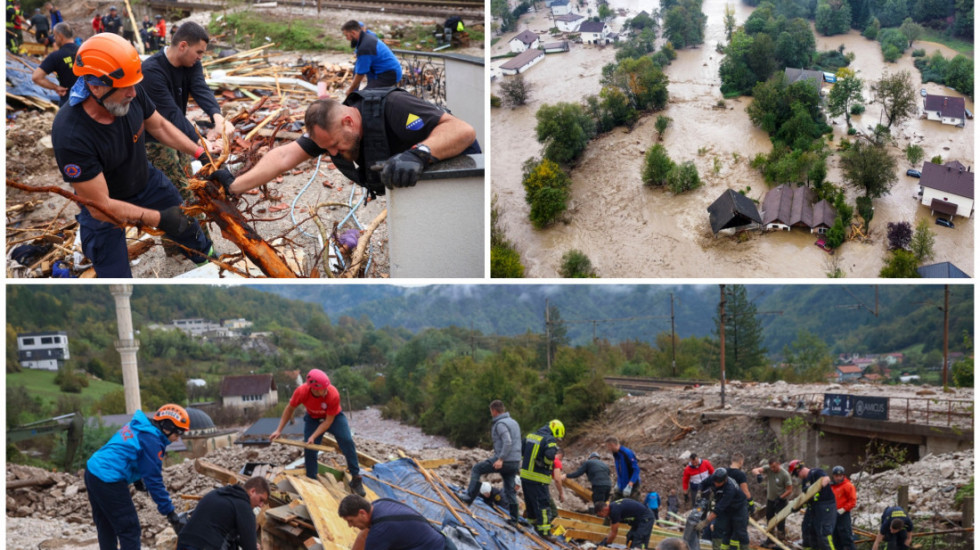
469 10
635 384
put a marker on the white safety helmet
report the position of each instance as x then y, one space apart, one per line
485 488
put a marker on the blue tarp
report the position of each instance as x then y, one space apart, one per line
492 531
19 81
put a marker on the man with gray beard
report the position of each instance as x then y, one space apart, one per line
99 145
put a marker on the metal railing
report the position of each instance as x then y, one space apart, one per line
911 410
424 75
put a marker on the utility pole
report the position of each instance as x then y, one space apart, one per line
547 335
721 326
946 341
673 350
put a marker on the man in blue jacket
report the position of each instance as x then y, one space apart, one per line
627 470
133 455
375 59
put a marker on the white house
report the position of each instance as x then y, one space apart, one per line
522 62
252 390
561 7
594 32
525 40
42 350
555 47
568 22
236 324
945 109
947 189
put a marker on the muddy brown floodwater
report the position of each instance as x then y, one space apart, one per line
629 230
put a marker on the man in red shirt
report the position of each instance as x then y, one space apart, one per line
846 497
97 24
696 475
323 414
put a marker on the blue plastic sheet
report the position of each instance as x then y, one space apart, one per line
19 79
492 531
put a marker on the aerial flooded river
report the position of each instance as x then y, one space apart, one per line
629 230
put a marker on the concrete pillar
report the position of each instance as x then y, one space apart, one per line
127 345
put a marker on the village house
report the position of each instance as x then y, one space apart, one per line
945 109
947 189
796 75
525 40
734 211
568 22
249 391
848 373
787 206
42 350
522 62
942 270
555 47
594 32
561 7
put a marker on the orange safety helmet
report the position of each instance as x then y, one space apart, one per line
175 414
110 58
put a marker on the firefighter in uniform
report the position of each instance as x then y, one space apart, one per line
730 513
537 465
820 518
896 530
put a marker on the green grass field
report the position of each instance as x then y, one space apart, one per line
962 46
41 383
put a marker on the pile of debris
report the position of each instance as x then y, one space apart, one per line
266 103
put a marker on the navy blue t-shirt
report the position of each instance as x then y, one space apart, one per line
61 62
893 513
375 57
826 494
401 534
627 511
85 148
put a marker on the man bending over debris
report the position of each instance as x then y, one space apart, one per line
387 524
632 513
323 414
133 455
730 514
391 135
171 77
375 59
224 516
506 460
59 62
598 474
98 142
896 530
820 518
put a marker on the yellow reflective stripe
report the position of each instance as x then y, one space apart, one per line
529 473
830 541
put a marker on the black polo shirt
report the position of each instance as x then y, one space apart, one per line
61 62
85 148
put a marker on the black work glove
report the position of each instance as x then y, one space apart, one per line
175 522
224 178
687 498
138 485
758 478
203 157
175 224
751 507
604 542
404 169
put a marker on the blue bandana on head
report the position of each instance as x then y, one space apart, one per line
79 91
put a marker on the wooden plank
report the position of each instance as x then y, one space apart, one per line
588 518
795 503
330 445
578 489
435 463
214 471
334 532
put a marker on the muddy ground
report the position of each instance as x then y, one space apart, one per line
628 230
30 160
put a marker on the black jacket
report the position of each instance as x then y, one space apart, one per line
221 513
170 88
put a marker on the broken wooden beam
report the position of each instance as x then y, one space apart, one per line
578 489
330 445
43 481
214 471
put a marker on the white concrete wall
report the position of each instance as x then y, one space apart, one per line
47 364
465 89
437 229
964 206
566 26
561 10
517 46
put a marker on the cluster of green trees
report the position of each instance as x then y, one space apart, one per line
546 189
957 73
838 16
659 170
500 9
684 22
767 43
505 261
907 249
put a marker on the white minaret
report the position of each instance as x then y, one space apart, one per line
127 345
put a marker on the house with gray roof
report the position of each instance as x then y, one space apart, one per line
789 206
947 189
525 40
945 109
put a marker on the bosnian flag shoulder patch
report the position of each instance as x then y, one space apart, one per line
414 122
